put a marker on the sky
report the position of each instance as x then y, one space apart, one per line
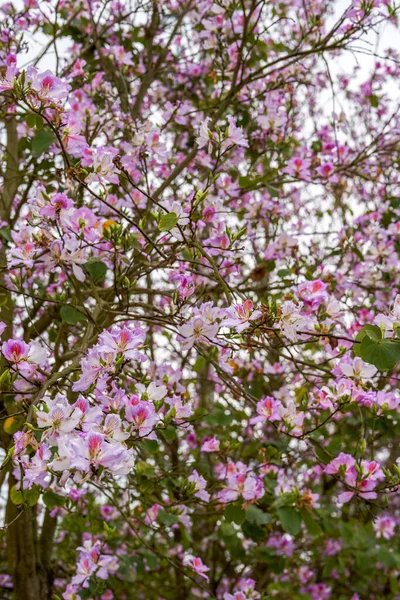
386 36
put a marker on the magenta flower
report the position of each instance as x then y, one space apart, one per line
197 330
234 135
384 526
325 170
201 485
61 418
46 85
248 486
313 292
123 341
143 417
7 83
197 565
240 315
210 445
15 350
60 207
343 463
268 409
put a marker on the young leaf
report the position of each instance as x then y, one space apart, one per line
168 221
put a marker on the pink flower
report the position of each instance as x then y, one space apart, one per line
201 485
7 83
94 451
241 484
333 547
234 135
197 330
244 590
384 526
282 543
60 207
143 417
313 292
47 85
205 136
152 514
357 368
61 418
35 469
239 316
298 167
325 170
363 480
342 463
291 320
22 255
15 350
77 68
268 409
210 445
197 565
123 341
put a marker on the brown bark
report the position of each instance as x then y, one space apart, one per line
29 555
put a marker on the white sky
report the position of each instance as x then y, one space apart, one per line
385 37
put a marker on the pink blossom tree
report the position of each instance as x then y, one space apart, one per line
199 300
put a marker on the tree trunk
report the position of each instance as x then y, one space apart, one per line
29 557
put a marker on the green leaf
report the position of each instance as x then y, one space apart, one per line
150 446
168 221
239 234
384 354
97 270
5 380
32 496
218 417
234 514
273 191
313 527
51 500
70 315
253 531
16 496
166 518
284 273
48 29
257 516
6 234
169 433
374 100
226 530
39 122
29 497
290 519
372 331
41 142
323 455
30 120
151 559
245 181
